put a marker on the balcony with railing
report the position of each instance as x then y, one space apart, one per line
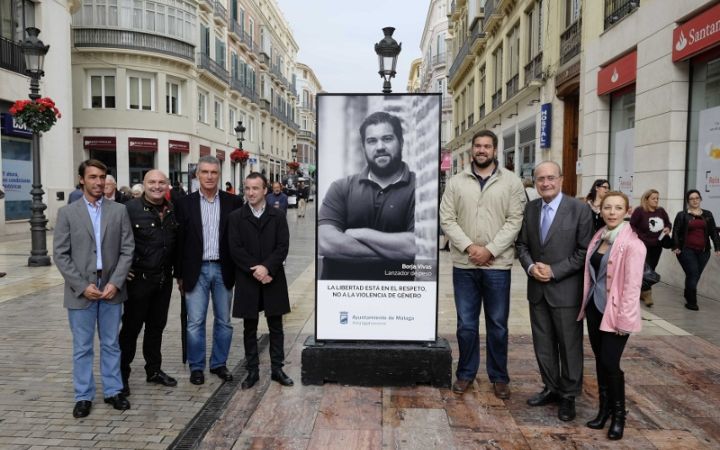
305 134
533 69
236 85
497 99
464 54
617 9
249 93
11 56
512 86
493 16
439 59
236 31
207 63
132 40
265 104
570 42
264 58
220 12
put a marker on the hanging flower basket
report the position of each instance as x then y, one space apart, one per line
293 165
37 116
240 156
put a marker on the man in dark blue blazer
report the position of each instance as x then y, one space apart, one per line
205 268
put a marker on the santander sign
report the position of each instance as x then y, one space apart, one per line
697 34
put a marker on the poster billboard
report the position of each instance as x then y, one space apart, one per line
624 162
377 232
708 158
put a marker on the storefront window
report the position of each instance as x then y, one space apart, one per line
140 164
509 150
108 158
622 140
703 153
17 177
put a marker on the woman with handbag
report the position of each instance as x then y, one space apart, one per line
652 225
693 229
613 275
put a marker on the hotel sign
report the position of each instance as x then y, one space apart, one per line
697 34
545 125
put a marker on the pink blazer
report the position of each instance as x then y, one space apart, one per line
624 279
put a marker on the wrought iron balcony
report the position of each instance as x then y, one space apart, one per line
617 9
237 30
439 59
249 93
570 42
475 33
205 62
264 58
11 56
497 99
305 134
133 40
533 69
247 40
265 104
220 11
492 16
511 87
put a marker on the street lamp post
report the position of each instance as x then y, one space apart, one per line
387 50
240 132
34 51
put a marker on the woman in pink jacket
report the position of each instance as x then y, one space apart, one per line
613 277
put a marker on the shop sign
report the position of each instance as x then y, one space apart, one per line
178 146
617 74
142 144
99 143
697 34
10 127
204 150
220 154
545 125
446 161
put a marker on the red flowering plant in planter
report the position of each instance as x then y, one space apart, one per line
293 165
240 156
37 116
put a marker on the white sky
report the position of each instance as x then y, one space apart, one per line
337 39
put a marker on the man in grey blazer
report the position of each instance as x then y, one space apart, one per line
555 233
93 249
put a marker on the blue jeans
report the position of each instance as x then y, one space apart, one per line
693 263
106 317
473 287
209 282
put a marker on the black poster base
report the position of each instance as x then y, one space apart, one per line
377 363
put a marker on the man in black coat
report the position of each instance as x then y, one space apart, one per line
259 242
205 267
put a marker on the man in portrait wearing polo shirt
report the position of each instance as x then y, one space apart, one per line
205 267
370 216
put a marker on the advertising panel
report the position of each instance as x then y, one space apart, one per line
377 235
708 158
624 163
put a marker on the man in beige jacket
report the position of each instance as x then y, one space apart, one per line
481 214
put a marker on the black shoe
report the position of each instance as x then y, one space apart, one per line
252 377
126 385
692 307
82 409
543 398
197 377
566 411
280 376
223 373
161 377
118 401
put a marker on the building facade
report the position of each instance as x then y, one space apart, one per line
308 86
514 69
160 83
651 106
57 169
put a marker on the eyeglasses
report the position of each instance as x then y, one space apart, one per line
551 179
604 186
693 198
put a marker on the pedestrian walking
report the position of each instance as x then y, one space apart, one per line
613 277
303 193
693 230
205 268
155 229
93 250
481 214
599 188
277 198
652 225
259 242
551 247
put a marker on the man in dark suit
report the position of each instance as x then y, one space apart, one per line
259 242
205 267
93 250
551 246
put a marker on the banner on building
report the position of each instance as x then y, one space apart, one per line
377 232
624 162
708 158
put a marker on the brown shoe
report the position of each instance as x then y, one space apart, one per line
502 390
646 297
460 386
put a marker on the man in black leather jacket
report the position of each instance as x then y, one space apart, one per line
155 229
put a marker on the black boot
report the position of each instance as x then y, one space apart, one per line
617 394
691 299
598 423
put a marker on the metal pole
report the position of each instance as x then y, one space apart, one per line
38 221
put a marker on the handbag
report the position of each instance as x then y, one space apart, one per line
650 277
667 242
